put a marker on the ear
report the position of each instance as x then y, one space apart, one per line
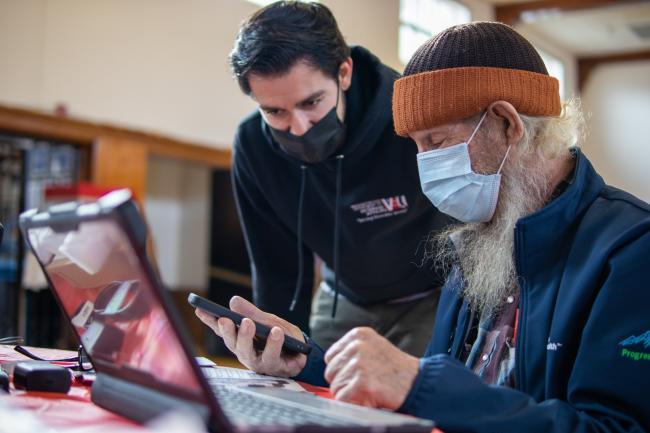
345 74
514 127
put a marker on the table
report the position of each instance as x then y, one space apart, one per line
74 412
70 412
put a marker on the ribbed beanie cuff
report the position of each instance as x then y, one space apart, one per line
428 99
464 69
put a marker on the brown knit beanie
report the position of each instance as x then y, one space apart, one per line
463 69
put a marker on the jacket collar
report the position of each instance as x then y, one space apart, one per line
554 225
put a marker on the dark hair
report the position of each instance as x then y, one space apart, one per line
277 36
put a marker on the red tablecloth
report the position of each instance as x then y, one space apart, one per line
74 412
66 412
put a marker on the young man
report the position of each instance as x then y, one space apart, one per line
543 324
318 170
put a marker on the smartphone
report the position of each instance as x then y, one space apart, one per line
291 345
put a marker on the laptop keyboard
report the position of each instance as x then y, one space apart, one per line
247 409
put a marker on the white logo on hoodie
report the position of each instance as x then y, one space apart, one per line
380 208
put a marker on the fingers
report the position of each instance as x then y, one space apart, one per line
350 393
338 378
244 348
246 308
208 319
344 393
351 384
348 362
356 334
273 351
228 333
365 368
241 341
339 354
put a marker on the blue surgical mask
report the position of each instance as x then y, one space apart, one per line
448 181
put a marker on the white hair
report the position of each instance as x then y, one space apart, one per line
485 251
552 137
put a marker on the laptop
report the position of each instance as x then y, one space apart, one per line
94 257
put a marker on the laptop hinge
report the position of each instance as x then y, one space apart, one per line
137 402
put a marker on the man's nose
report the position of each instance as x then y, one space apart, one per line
299 124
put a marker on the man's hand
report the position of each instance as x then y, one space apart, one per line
365 368
269 361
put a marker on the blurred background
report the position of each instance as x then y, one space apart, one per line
108 93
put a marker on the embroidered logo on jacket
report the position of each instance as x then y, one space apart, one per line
634 341
553 346
380 208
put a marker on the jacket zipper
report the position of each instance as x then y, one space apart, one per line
520 331
469 321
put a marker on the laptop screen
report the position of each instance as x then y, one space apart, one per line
120 319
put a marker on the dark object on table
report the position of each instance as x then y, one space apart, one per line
41 376
4 381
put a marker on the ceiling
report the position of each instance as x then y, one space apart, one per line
506 2
594 32
598 31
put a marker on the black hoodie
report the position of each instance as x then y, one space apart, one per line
384 217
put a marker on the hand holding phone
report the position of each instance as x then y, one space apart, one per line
290 345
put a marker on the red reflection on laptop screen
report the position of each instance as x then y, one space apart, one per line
111 304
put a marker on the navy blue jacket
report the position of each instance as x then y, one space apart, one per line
583 339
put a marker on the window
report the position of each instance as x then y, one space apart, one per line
555 68
421 19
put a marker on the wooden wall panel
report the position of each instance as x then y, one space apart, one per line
122 163
41 125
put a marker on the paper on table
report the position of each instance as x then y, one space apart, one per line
204 362
247 378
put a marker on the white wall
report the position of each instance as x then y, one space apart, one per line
567 58
618 98
481 10
373 24
21 51
157 65
178 209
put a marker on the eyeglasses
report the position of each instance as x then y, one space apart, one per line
81 362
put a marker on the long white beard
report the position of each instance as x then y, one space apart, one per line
485 251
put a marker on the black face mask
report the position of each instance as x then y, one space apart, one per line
317 144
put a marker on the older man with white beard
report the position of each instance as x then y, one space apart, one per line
543 324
